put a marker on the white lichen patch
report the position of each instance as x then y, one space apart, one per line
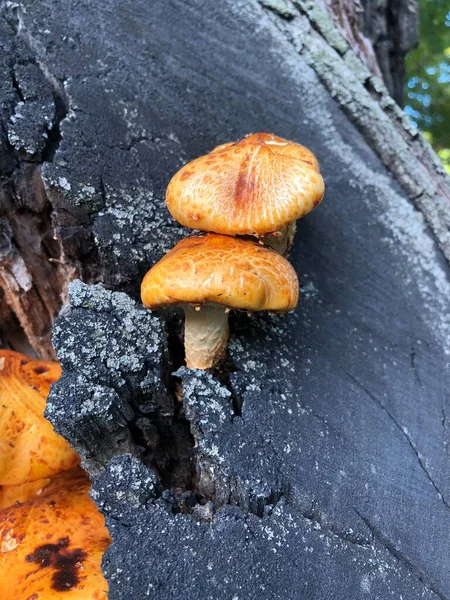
310 292
66 185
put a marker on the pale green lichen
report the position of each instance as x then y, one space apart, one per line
323 23
279 6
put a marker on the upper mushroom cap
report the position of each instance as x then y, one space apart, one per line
256 186
237 273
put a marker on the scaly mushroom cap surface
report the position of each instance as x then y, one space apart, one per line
51 545
30 449
255 186
214 268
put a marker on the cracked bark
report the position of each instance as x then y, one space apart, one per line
401 557
33 270
404 432
248 481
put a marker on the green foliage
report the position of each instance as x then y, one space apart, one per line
427 93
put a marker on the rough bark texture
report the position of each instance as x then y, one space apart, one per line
33 272
314 462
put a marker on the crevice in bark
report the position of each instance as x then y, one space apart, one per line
54 136
315 515
33 274
169 446
413 364
175 355
16 86
222 373
405 434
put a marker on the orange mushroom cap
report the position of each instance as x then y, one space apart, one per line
52 536
233 272
30 449
255 186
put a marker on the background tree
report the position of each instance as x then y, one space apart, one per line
427 94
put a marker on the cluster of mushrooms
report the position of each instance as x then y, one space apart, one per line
254 188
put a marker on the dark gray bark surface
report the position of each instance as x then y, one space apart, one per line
314 463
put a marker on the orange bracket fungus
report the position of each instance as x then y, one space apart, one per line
52 536
30 449
257 186
209 275
51 545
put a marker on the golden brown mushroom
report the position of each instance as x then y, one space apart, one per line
257 186
30 449
208 275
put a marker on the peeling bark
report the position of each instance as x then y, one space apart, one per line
381 34
33 271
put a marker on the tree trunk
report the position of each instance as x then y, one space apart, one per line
314 462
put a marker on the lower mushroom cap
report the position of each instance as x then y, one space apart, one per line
235 273
209 274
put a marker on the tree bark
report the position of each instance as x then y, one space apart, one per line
314 462
381 34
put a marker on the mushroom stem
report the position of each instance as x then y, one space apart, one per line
281 241
205 335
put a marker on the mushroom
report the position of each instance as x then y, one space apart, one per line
209 275
30 449
257 186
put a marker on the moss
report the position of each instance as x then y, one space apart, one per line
322 21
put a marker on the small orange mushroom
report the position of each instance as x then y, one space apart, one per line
208 275
30 449
257 186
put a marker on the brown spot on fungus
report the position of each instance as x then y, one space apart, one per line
66 563
39 370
